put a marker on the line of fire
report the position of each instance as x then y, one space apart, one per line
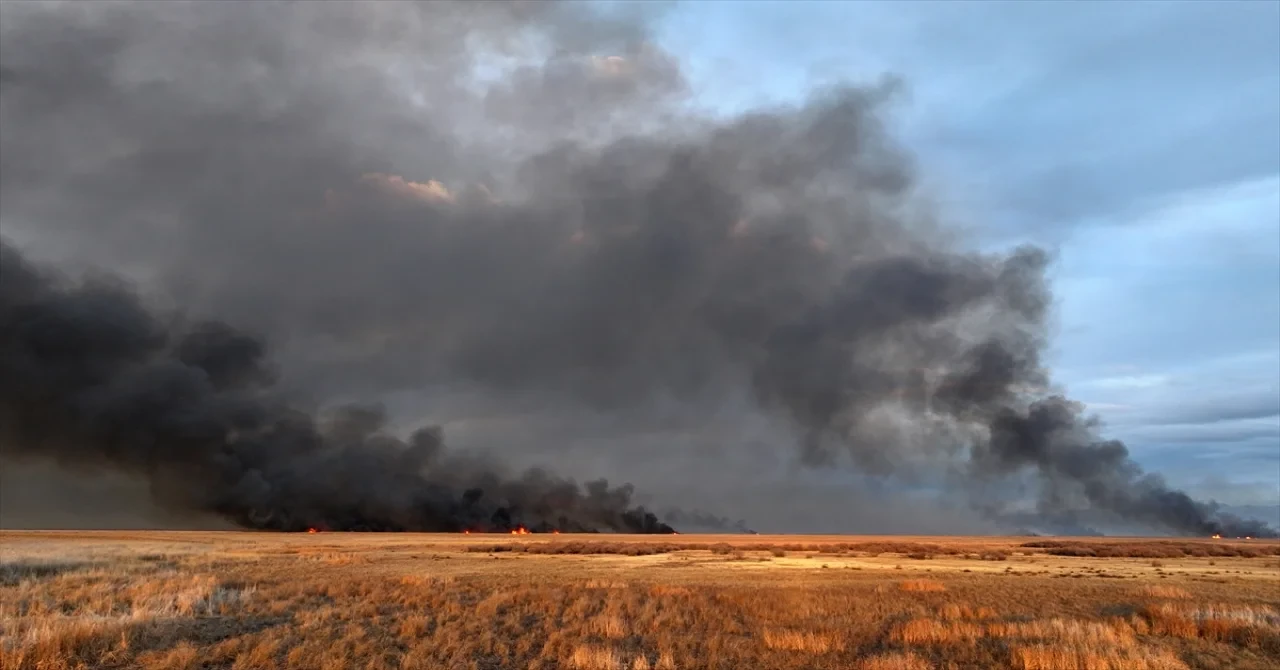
521 530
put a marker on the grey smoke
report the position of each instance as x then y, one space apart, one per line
509 200
705 521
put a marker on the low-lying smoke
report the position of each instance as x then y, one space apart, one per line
92 379
706 521
514 200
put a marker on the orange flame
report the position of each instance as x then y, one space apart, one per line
1217 536
555 532
312 530
466 532
520 531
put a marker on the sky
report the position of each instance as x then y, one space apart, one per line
1138 141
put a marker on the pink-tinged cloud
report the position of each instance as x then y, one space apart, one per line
430 191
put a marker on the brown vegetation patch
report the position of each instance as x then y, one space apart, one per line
1154 549
15 572
65 642
922 586
609 626
961 611
805 641
582 548
604 547
1241 625
1087 634
1162 591
1061 657
595 657
895 661
933 631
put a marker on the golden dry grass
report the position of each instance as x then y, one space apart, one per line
250 601
593 657
1161 591
1062 657
894 661
931 631
955 611
803 641
922 586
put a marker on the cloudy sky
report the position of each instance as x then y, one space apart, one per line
1140 141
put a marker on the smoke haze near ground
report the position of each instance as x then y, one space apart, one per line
505 214
44 496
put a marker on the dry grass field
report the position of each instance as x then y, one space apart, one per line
181 600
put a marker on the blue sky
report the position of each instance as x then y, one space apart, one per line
1139 141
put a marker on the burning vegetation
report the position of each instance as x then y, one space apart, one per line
94 377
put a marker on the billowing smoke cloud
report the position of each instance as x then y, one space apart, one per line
91 378
504 200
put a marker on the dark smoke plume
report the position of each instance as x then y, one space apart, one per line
505 201
91 378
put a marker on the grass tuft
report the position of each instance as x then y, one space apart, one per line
922 586
894 661
806 641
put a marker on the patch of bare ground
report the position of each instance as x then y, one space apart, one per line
248 601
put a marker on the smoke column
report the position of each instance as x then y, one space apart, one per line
511 199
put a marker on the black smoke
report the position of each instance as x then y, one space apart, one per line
511 200
91 378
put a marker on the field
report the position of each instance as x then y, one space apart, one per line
185 600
